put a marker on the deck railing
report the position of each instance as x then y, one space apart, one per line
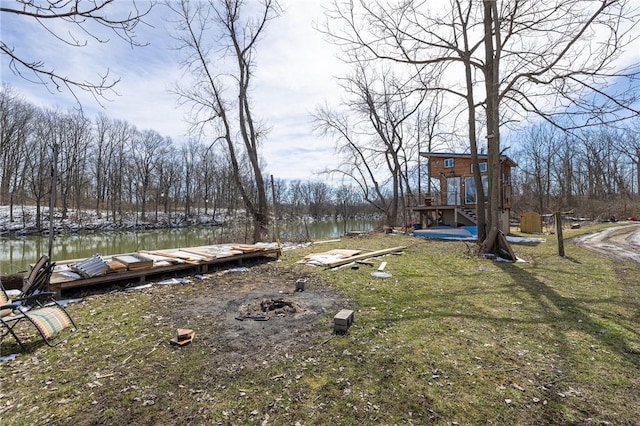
430 199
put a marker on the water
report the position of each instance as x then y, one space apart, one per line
16 253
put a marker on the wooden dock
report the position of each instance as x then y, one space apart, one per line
153 264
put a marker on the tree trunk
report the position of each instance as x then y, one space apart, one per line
491 244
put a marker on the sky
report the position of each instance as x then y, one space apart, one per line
294 75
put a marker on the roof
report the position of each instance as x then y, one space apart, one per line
503 158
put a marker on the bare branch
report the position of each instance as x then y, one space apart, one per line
89 18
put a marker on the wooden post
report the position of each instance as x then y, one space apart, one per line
276 230
558 217
344 216
52 198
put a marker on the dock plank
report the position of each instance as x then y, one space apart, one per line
61 282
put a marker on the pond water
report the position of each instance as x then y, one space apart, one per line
16 253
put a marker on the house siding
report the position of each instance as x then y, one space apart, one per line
462 169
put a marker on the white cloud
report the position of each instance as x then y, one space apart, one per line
294 74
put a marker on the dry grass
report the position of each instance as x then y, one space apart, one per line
449 338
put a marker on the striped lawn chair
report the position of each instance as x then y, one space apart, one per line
49 318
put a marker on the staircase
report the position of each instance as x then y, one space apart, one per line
469 214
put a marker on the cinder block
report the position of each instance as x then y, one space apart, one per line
342 320
300 284
345 316
340 329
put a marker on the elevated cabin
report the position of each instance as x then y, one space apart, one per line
452 198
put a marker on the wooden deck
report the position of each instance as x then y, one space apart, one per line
434 215
173 262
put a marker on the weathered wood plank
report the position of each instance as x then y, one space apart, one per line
340 262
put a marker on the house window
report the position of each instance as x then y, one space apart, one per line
481 166
470 193
448 163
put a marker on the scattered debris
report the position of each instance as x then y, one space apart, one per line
267 308
252 317
65 302
315 243
517 386
7 358
138 287
323 259
134 261
234 270
94 266
340 257
174 281
98 270
353 233
524 240
183 337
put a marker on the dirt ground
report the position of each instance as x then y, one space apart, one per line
261 334
225 309
620 242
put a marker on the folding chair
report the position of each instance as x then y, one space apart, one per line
47 315
38 279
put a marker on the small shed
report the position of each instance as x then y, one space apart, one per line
531 223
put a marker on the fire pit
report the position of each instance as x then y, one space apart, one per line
269 308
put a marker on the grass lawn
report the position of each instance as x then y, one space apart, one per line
450 338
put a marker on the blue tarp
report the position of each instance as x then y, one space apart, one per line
448 233
465 233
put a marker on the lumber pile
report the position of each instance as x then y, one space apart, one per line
134 261
339 257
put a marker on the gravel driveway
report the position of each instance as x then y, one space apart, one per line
621 242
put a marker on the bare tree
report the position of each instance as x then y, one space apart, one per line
629 144
227 26
75 136
101 154
16 124
374 135
536 158
531 58
190 161
118 156
589 173
317 197
73 23
39 163
146 147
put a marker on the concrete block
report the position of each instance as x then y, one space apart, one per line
342 320
340 329
345 316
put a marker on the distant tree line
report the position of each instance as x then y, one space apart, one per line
117 170
593 172
111 167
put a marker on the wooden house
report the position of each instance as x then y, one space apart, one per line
452 200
